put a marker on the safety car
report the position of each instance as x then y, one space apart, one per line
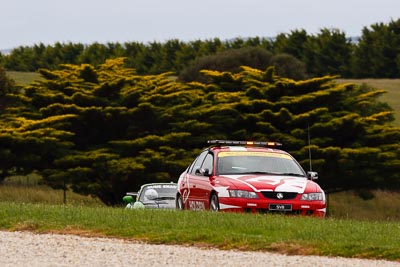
249 176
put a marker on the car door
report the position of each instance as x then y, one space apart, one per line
204 187
200 187
191 184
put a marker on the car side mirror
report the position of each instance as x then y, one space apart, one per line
312 175
127 199
202 172
133 194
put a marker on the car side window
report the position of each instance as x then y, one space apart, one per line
208 163
191 166
197 163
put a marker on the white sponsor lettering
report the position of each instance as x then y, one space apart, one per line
162 186
196 205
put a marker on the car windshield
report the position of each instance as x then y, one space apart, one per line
158 192
243 162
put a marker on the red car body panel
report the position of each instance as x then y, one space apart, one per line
196 189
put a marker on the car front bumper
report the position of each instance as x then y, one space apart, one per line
296 207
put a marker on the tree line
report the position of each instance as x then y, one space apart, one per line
103 130
375 54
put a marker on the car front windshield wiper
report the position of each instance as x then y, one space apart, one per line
150 203
259 172
164 198
292 174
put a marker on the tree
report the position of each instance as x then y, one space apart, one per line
169 54
377 54
229 60
288 66
105 130
328 53
94 54
7 86
98 129
292 44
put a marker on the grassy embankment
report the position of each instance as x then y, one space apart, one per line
27 206
23 78
27 189
254 232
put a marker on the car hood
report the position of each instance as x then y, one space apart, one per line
259 183
164 204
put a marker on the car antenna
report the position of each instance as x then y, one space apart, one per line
309 145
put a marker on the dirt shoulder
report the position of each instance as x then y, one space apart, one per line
30 249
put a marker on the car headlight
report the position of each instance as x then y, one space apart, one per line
242 194
313 197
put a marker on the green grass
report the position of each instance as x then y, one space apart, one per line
28 189
253 232
356 227
384 206
23 78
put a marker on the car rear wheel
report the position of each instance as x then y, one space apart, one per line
214 202
179 203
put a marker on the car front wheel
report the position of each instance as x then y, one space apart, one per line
214 203
179 203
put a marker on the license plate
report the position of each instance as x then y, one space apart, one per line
280 207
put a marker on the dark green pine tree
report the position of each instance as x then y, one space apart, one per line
105 130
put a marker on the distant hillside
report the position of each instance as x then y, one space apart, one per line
5 51
23 78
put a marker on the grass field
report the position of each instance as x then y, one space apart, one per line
23 78
253 232
355 228
384 206
28 189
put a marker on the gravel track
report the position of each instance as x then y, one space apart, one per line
45 250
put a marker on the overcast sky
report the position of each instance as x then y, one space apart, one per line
29 22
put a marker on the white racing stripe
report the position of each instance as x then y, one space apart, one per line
281 184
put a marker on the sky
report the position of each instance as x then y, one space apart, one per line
30 22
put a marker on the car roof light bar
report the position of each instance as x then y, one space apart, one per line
245 143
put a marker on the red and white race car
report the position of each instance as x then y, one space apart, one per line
248 176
